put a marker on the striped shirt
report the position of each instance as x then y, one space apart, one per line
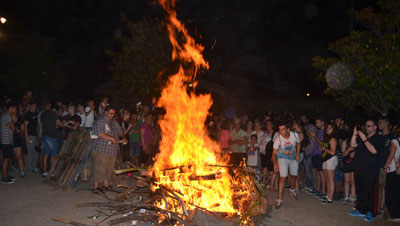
110 127
6 132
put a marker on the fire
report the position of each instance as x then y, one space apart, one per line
189 161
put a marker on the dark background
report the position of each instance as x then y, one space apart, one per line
263 48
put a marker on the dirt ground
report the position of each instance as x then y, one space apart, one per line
29 201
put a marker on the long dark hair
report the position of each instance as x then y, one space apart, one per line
306 140
327 137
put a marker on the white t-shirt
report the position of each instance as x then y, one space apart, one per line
89 118
392 166
252 156
287 147
83 119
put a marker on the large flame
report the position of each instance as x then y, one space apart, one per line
188 158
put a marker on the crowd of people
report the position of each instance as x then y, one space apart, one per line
330 159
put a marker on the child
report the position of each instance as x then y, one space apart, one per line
253 149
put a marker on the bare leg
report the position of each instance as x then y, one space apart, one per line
317 180
293 180
5 168
18 156
346 185
331 183
353 185
265 175
282 181
45 163
323 182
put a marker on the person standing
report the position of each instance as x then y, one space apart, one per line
286 157
237 142
393 179
89 115
329 147
31 136
105 148
385 127
134 139
7 128
320 183
366 169
50 120
147 140
18 142
71 121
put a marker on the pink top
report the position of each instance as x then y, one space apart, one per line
223 139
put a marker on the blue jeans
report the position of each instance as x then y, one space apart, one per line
310 181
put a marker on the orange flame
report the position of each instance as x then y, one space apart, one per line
187 158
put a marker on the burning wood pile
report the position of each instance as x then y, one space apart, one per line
140 205
191 182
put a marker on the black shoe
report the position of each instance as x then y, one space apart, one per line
7 181
327 202
11 178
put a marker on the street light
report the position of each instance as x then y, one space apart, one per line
3 20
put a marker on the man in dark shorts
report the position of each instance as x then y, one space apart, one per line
6 129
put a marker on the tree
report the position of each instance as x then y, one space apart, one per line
140 67
28 64
373 54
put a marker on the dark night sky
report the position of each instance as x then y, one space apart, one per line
263 47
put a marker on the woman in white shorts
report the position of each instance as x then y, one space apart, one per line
330 160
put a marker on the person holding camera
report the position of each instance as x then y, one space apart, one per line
366 169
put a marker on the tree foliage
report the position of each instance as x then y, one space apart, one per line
140 67
373 54
29 64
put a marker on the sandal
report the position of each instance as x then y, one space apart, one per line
278 203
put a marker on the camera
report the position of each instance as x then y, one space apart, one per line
359 128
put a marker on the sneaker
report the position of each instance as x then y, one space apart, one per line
323 198
293 194
312 191
45 174
369 217
319 194
278 203
346 200
11 178
7 181
327 202
352 200
356 213
22 175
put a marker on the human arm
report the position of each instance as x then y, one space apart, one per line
88 110
332 144
391 155
347 151
142 131
108 137
368 144
26 123
298 147
275 160
353 142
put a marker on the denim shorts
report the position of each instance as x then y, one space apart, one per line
50 146
135 148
